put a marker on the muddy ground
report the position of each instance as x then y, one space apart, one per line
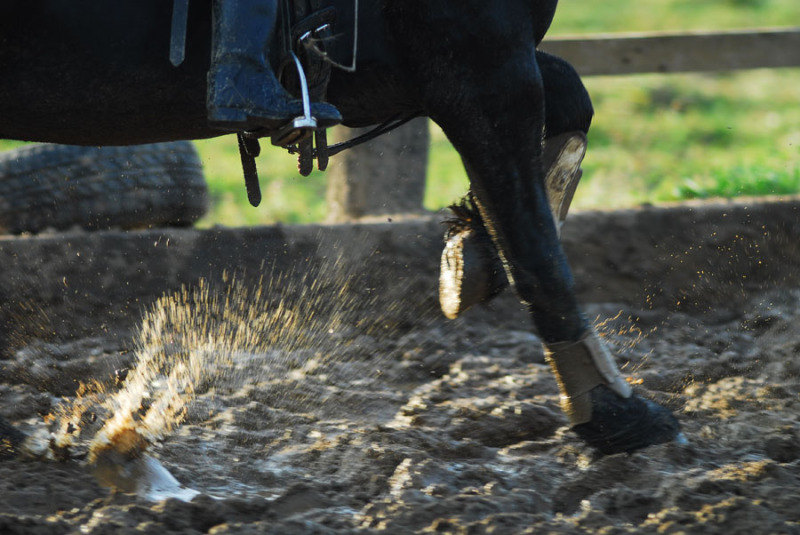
399 421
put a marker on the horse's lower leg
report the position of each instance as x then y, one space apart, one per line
497 126
502 155
471 271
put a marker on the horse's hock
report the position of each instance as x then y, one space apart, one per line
689 257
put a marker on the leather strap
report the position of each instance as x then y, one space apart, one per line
249 149
177 45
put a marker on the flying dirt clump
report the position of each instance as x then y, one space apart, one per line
198 337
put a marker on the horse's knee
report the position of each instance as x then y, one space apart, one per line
568 106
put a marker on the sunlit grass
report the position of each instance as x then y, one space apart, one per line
287 197
591 16
661 138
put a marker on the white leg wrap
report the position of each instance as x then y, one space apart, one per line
579 367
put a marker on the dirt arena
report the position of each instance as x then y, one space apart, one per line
363 410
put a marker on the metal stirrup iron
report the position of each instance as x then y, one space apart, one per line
301 127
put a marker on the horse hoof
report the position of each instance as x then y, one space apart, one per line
10 439
624 425
471 271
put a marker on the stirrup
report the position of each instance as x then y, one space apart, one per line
301 127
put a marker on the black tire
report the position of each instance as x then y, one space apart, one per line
63 186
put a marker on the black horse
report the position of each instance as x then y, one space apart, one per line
97 73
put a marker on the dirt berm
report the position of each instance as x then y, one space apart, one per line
685 257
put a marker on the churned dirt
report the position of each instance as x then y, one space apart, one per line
381 416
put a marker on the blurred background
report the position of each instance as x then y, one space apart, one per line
655 138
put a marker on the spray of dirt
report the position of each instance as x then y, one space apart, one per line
202 333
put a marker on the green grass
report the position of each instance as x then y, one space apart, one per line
663 138
592 16
655 138
287 196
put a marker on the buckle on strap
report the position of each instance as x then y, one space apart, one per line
300 127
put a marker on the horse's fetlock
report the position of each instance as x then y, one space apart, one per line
579 367
465 217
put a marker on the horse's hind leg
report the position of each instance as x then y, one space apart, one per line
491 106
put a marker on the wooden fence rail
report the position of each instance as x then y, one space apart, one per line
352 190
678 52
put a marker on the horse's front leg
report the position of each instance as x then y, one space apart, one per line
493 113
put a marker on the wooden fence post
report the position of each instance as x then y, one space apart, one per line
381 177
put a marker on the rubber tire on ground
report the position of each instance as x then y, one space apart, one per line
64 186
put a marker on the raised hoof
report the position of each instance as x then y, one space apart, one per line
624 425
470 270
10 439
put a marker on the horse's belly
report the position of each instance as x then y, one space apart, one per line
99 73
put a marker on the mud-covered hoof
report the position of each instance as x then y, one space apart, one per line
621 425
10 439
470 271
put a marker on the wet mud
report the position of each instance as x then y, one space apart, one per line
396 420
